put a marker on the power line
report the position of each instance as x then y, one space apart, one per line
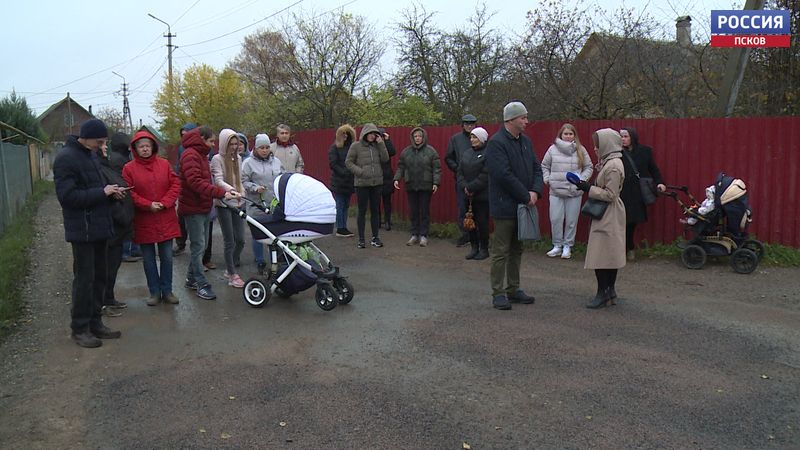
247 26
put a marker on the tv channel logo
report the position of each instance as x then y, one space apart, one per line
750 28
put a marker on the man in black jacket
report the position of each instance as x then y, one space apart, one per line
84 198
515 177
460 143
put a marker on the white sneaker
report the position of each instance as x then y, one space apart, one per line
567 252
555 251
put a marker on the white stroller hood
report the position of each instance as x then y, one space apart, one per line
307 199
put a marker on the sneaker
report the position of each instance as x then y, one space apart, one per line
501 302
86 340
154 300
413 241
190 285
206 293
423 241
631 255
519 296
209 265
178 250
344 232
226 275
555 251
115 304
361 244
567 252
235 281
131 259
108 311
376 242
170 298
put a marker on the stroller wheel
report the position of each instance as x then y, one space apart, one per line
327 297
693 257
345 290
744 260
256 293
756 246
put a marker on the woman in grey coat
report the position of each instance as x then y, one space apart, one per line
258 174
605 252
565 155
419 167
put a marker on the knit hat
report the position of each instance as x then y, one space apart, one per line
469 118
188 126
481 134
93 129
262 140
513 110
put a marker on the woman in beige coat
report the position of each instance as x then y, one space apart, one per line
605 252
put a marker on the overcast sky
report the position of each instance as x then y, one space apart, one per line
53 47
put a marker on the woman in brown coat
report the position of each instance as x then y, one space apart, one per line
605 252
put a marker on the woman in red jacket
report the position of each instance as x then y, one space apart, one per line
154 189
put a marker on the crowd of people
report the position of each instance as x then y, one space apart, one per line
130 194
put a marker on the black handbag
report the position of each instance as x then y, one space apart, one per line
646 184
594 208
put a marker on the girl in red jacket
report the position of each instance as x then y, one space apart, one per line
154 189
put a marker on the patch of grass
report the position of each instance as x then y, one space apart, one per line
777 255
14 245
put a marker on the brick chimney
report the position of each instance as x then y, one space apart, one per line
683 31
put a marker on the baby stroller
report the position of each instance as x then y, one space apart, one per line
722 231
304 211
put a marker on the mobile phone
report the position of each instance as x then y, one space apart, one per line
128 188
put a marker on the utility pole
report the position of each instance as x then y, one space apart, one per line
126 109
734 72
170 47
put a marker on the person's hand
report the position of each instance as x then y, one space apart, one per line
379 138
466 192
232 194
534 198
385 136
661 188
435 188
112 189
155 206
396 184
583 185
261 189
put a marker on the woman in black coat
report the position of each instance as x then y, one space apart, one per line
472 177
635 208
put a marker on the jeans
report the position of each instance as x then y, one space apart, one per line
209 241
419 202
369 195
342 206
158 284
506 257
114 258
258 251
232 227
564 209
181 241
129 248
88 284
197 229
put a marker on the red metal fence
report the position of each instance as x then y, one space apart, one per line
763 152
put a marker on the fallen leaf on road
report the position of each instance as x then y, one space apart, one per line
765 377
283 424
465 446
588 417
202 430
498 428
231 398
225 436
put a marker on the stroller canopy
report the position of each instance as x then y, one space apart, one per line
304 199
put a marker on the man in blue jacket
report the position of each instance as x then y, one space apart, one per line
86 207
515 177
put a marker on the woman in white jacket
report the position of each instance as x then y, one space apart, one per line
258 175
565 155
226 170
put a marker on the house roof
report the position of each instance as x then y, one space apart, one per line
154 132
54 106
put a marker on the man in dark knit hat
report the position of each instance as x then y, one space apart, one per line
460 143
86 207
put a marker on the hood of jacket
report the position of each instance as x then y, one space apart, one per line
192 139
120 143
225 137
345 135
567 148
141 135
610 143
368 128
243 138
424 138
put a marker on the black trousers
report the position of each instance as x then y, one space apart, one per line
606 278
387 207
114 258
89 269
480 212
419 202
181 241
207 253
630 230
369 196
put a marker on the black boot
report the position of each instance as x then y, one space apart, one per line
388 224
483 250
612 294
600 299
473 252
